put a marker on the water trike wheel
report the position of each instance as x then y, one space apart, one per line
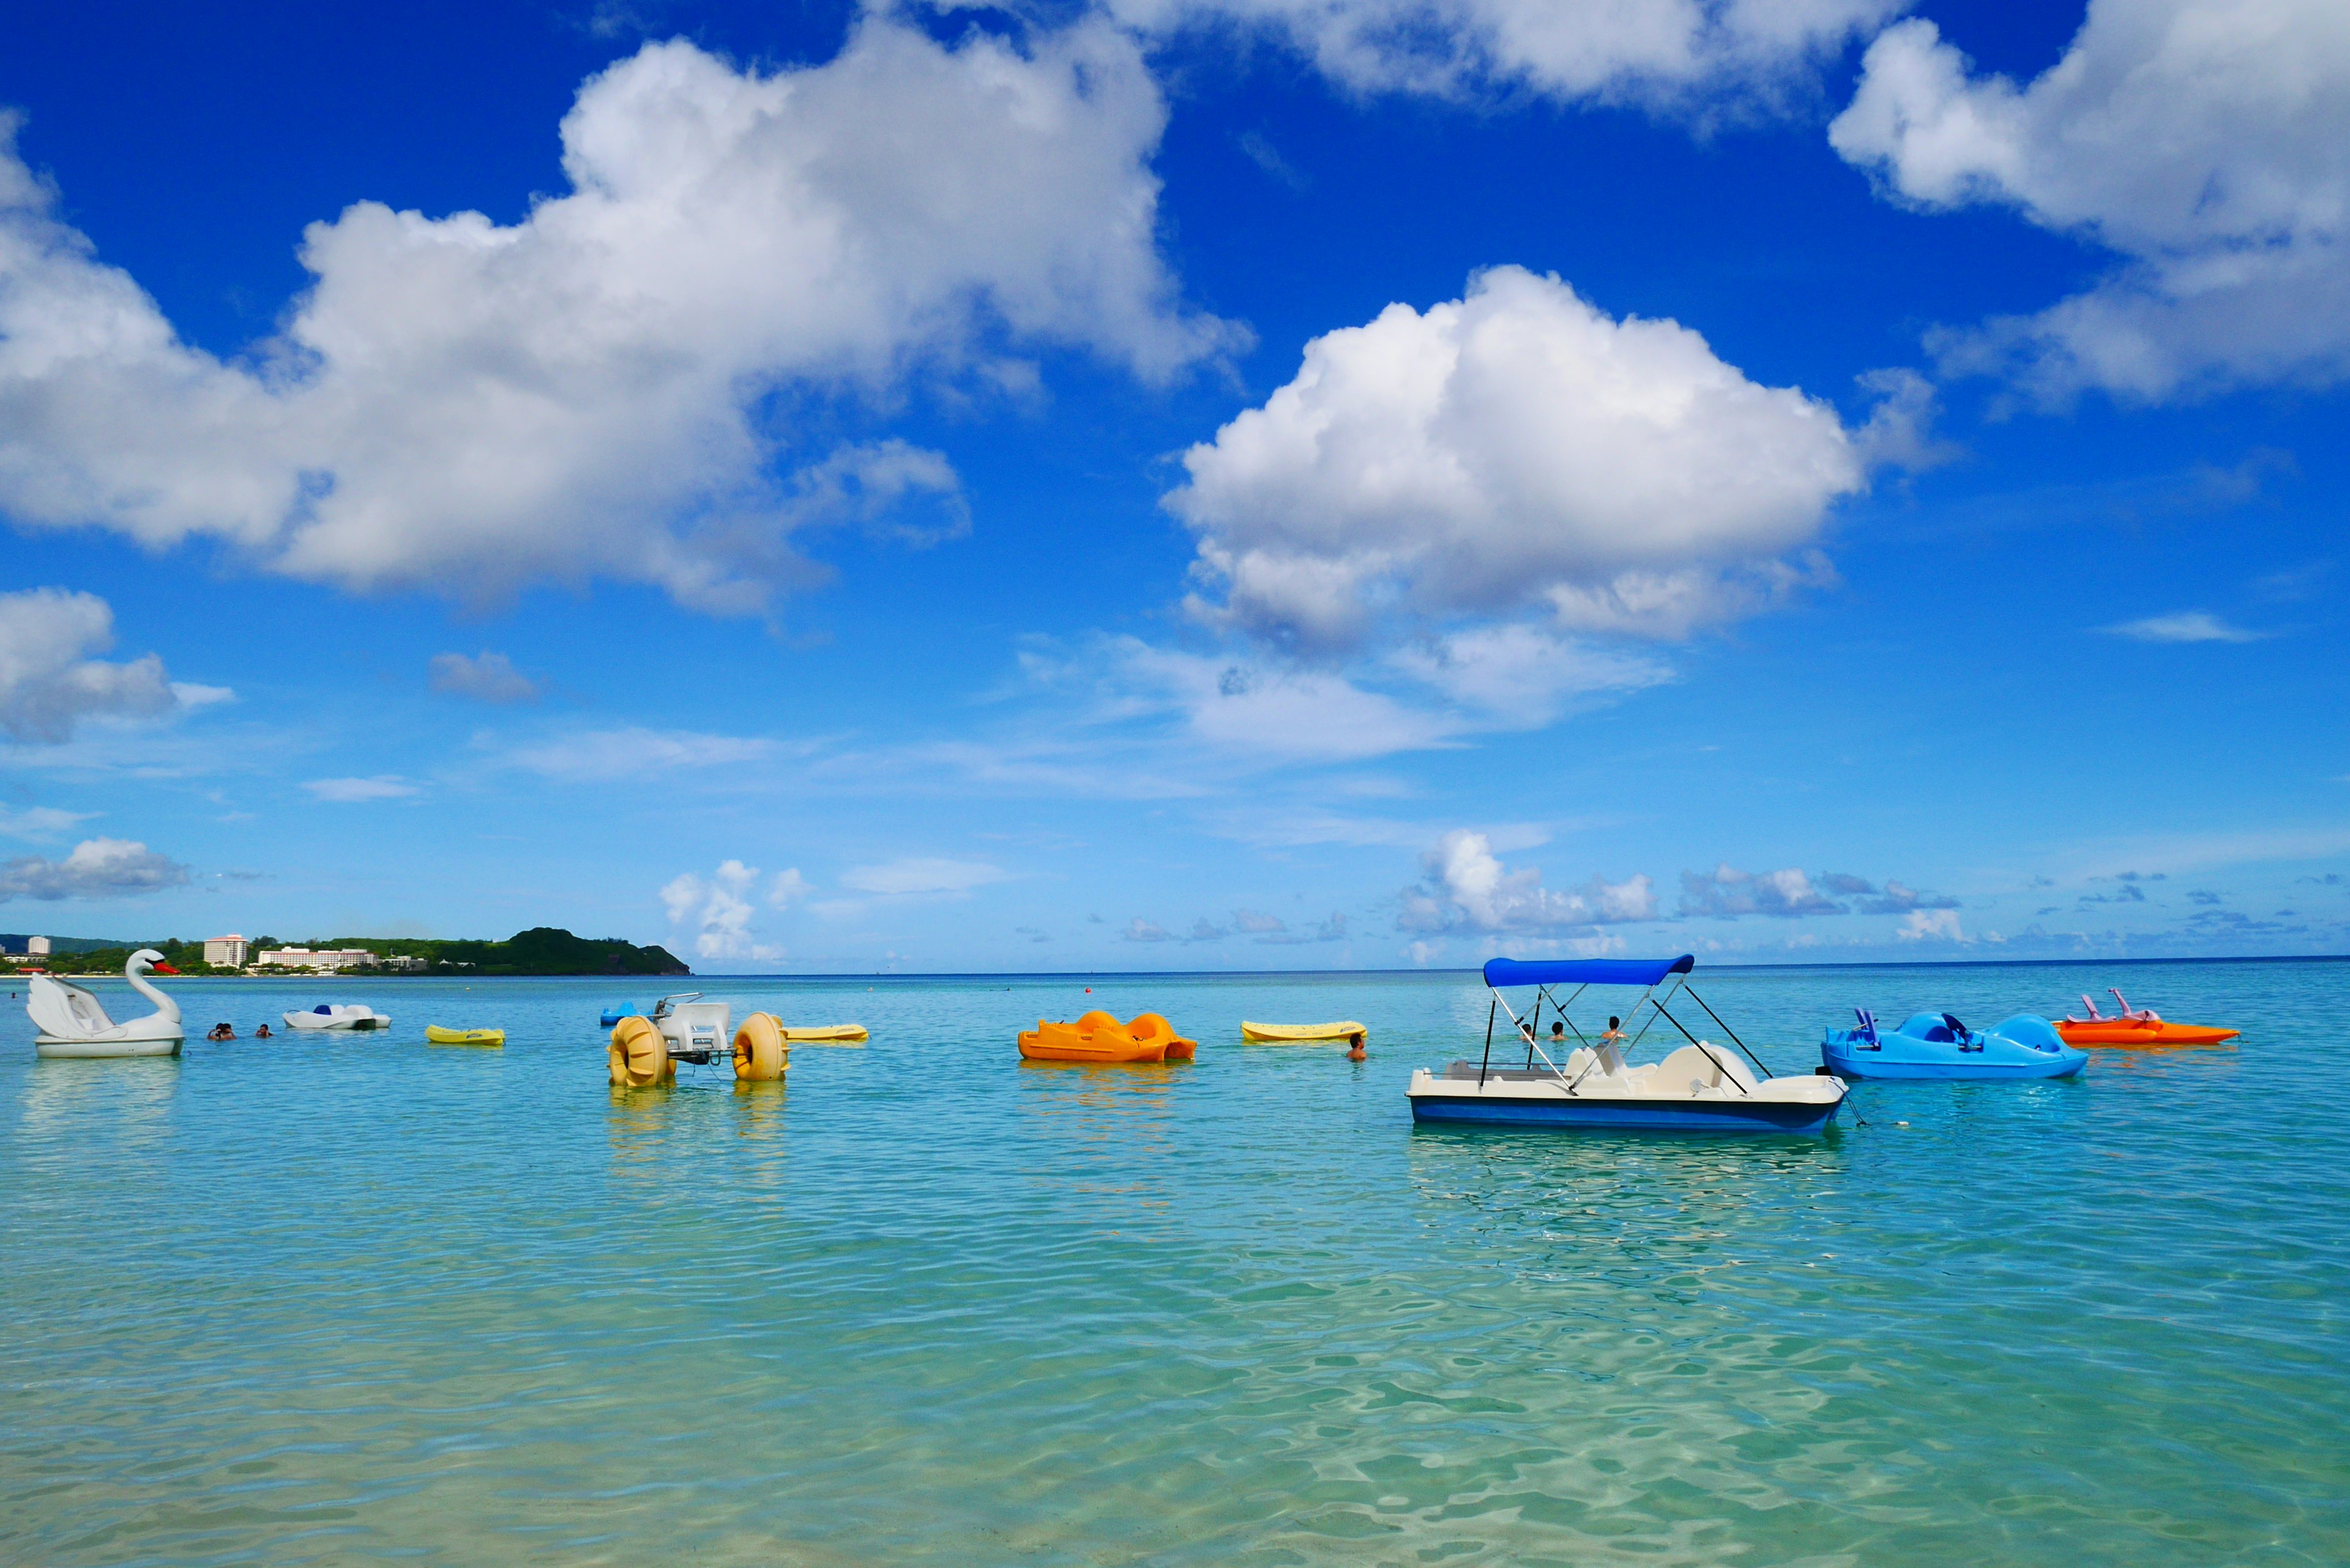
639 1056
761 1055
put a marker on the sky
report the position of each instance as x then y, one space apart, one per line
1181 484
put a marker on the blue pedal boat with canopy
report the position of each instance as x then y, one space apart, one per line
1700 1087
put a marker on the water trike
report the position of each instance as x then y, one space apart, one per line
436 1035
646 1049
1294 1033
339 1015
1937 1045
1099 1037
71 1023
1700 1087
2139 1027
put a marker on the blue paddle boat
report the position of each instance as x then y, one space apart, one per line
614 1014
1937 1045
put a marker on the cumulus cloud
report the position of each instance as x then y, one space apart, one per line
1726 893
2207 143
2187 626
604 388
1929 925
1333 930
382 786
1138 929
98 868
1668 54
1464 886
720 908
489 678
48 684
1516 447
915 875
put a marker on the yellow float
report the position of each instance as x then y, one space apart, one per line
762 1052
1099 1037
825 1034
436 1035
639 1057
1292 1033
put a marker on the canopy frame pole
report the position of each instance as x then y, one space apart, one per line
1701 1050
1489 1041
1651 1023
1555 1002
1726 1029
1556 1071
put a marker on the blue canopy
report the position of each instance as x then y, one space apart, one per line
1586 972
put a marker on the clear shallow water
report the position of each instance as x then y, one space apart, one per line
356 1299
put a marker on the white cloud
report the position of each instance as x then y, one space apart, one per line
602 755
98 868
47 682
41 821
912 875
1515 447
788 888
1666 53
1141 930
1464 886
1929 925
720 908
1523 672
2205 141
383 786
2187 626
1728 893
489 678
463 406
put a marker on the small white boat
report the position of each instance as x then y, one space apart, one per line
1701 1087
340 1015
72 1023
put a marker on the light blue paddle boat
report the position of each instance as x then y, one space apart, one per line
1937 1045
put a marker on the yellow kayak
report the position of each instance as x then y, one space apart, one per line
824 1033
439 1036
1291 1034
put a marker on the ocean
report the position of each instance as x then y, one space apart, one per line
357 1298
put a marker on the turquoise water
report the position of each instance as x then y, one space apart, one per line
357 1298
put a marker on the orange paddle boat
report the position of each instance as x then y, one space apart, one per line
2140 1026
1098 1038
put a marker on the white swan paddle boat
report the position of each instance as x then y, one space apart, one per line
340 1015
1699 1088
72 1023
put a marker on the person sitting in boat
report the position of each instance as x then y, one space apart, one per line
221 1032
262 1032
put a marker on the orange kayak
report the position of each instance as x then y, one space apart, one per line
1098 1038
2140 1032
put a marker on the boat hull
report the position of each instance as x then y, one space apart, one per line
2142 1036
1588 1114
1894 1063
98 1050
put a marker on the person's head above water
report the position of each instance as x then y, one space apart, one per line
1614 1021
1559 1030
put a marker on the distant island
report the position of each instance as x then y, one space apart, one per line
541 950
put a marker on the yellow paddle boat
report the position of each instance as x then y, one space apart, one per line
1294 1033
437 1035
825 1034
1098 1038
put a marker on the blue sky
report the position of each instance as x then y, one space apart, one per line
1181 484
